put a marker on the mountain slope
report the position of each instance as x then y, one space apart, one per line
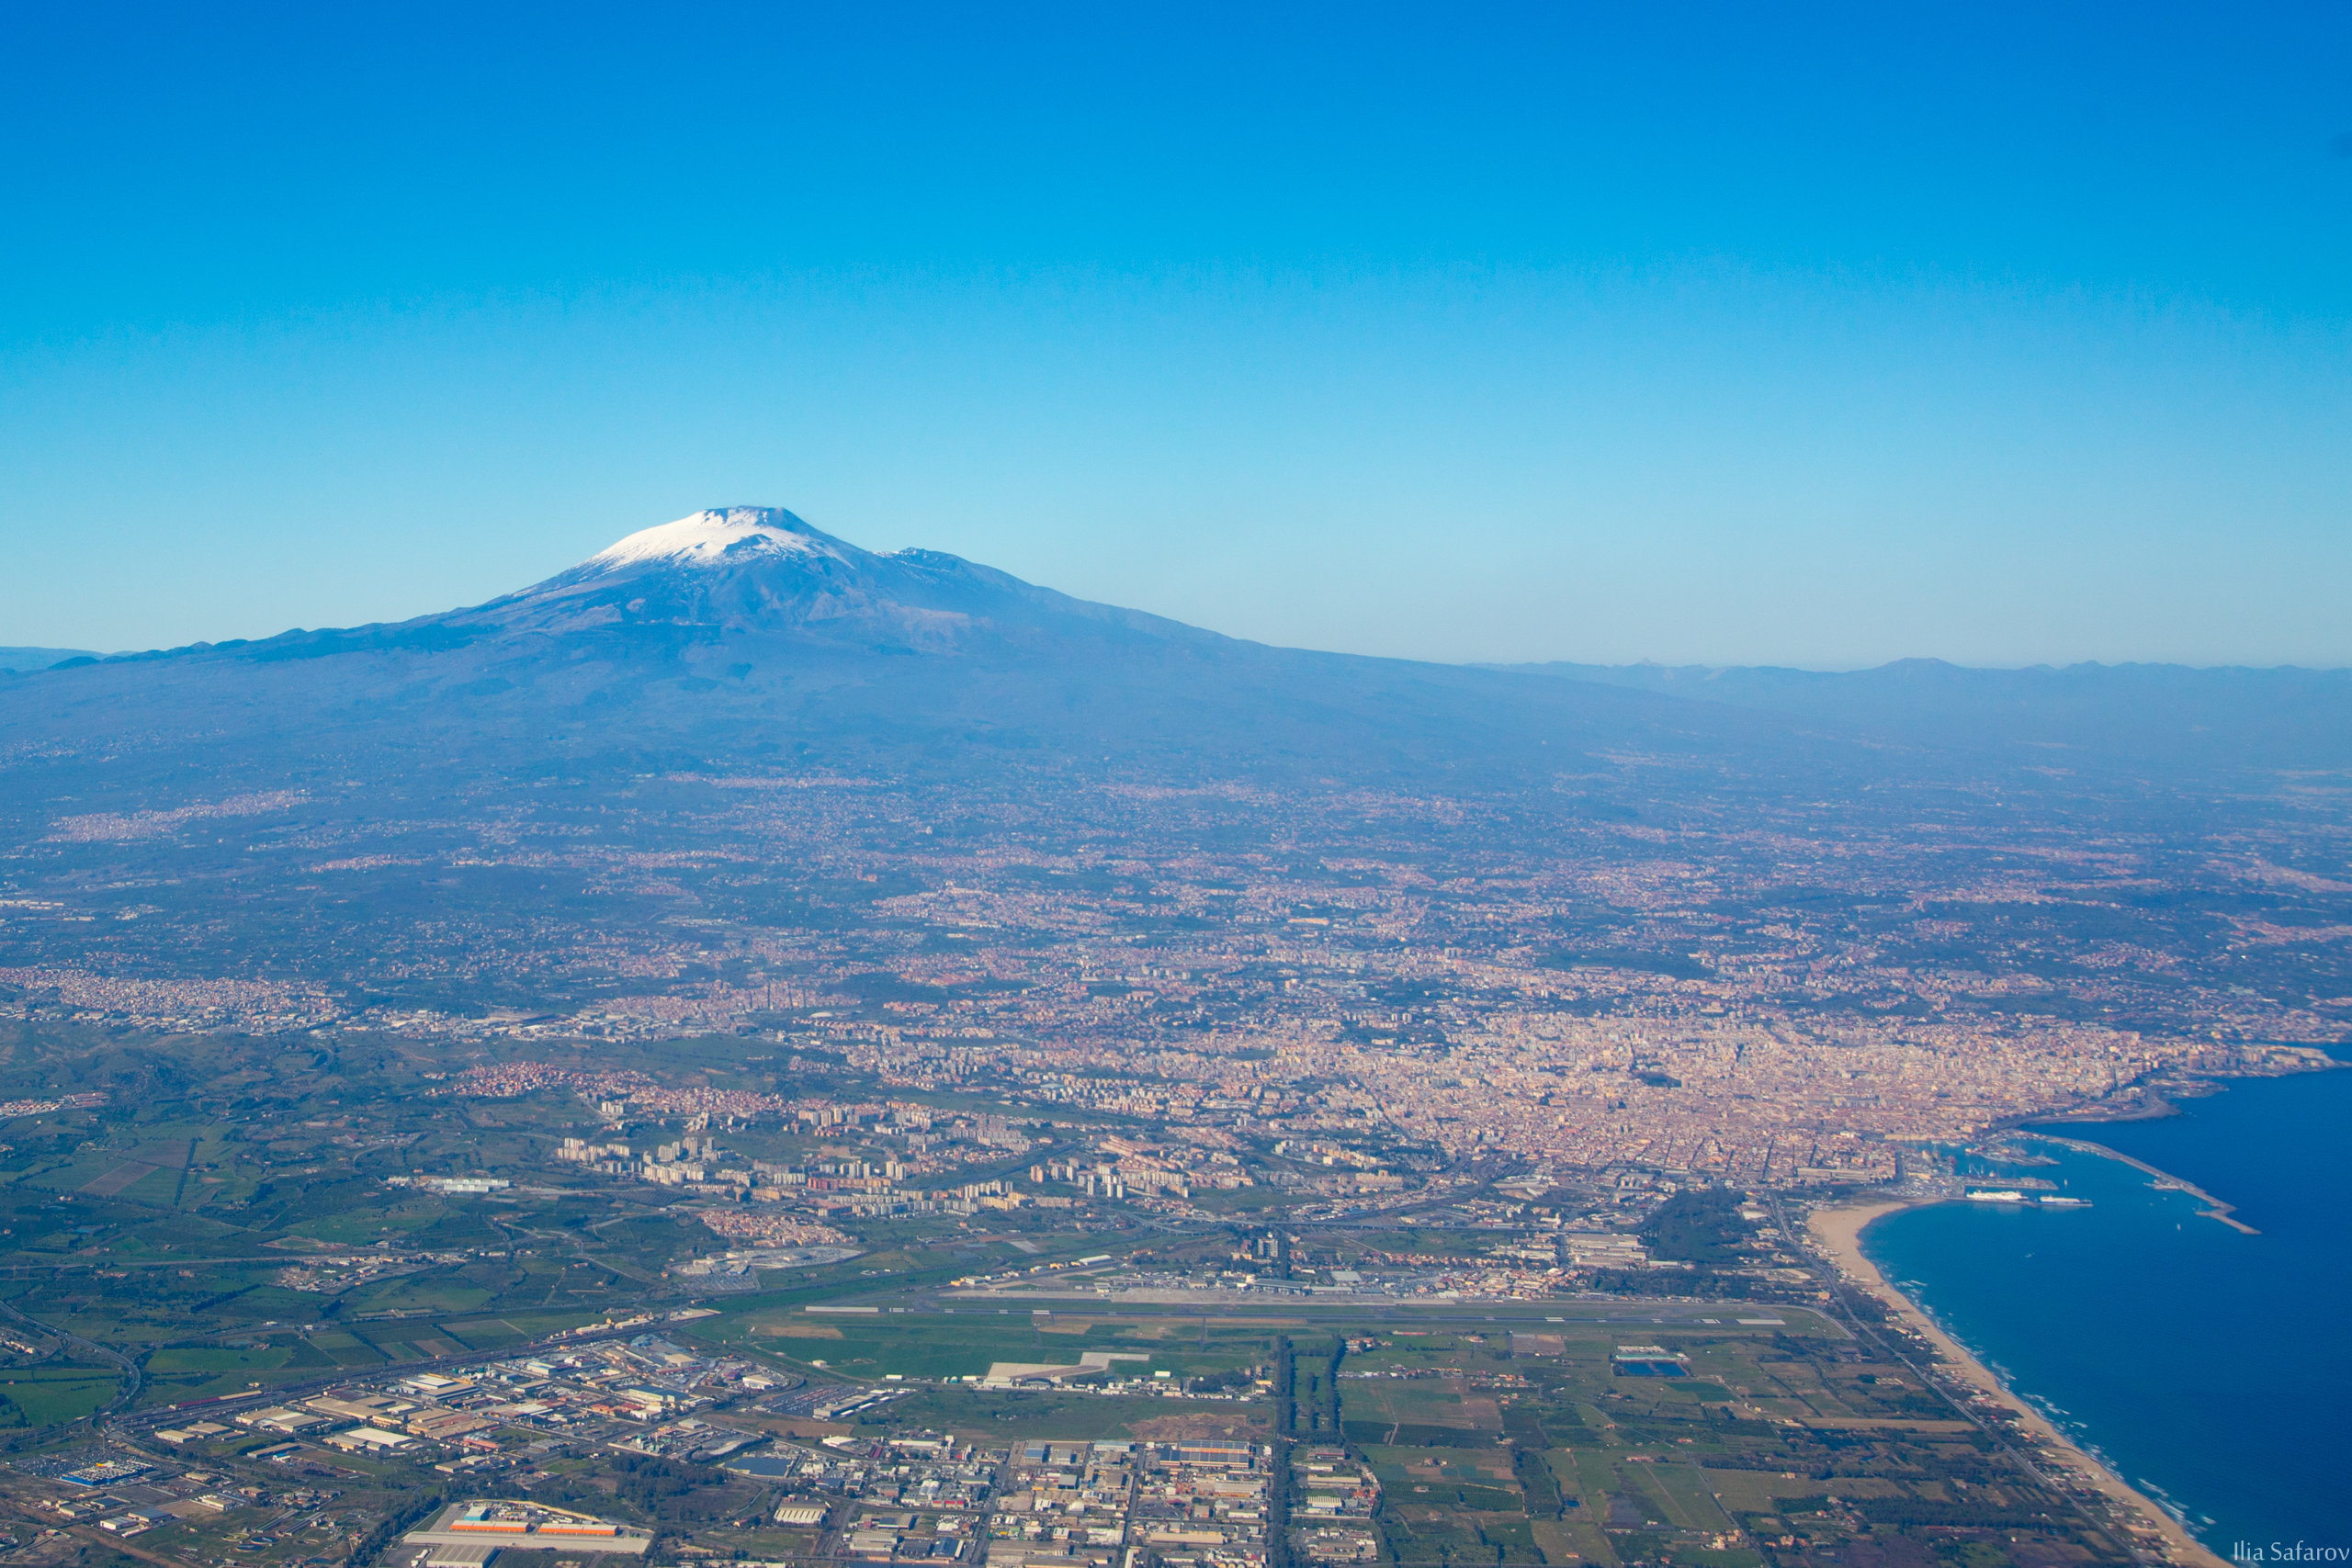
746 634
745 637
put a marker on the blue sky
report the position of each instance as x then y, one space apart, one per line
1818 337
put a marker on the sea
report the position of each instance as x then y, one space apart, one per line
2211 1369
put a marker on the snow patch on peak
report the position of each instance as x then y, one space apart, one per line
714 538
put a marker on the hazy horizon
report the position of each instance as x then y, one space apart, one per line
1638 663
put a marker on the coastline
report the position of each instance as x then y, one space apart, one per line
1839 1231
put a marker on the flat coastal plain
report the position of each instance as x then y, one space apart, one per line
1839 1233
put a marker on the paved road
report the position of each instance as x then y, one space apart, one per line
92 1349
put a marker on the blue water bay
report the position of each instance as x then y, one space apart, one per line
2211 1368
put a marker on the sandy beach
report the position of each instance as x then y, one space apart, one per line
1839 1233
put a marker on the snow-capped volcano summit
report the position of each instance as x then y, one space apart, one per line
760 572
735 534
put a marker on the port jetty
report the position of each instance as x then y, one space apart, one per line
2215 1209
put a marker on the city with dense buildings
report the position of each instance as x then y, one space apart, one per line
425 1298
1756 1001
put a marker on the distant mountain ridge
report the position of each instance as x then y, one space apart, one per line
2281 714
26 660
744 635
